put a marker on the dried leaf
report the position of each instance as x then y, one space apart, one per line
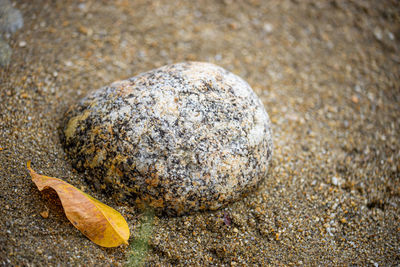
100 223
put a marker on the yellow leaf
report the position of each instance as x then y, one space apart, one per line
100 223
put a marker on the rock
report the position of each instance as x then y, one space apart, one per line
181 138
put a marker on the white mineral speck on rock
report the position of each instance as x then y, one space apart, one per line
181 138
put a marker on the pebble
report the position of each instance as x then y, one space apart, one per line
182 138
268 28
10 18
378 33
22 44
5 53
10 21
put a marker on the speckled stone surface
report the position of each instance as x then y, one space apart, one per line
184 137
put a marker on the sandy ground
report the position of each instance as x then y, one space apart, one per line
327 72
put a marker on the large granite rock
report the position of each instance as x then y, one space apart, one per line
181 138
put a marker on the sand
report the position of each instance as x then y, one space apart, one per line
327 73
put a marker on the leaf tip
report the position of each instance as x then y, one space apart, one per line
28 165
31 171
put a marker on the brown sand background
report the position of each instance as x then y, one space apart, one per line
327 72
